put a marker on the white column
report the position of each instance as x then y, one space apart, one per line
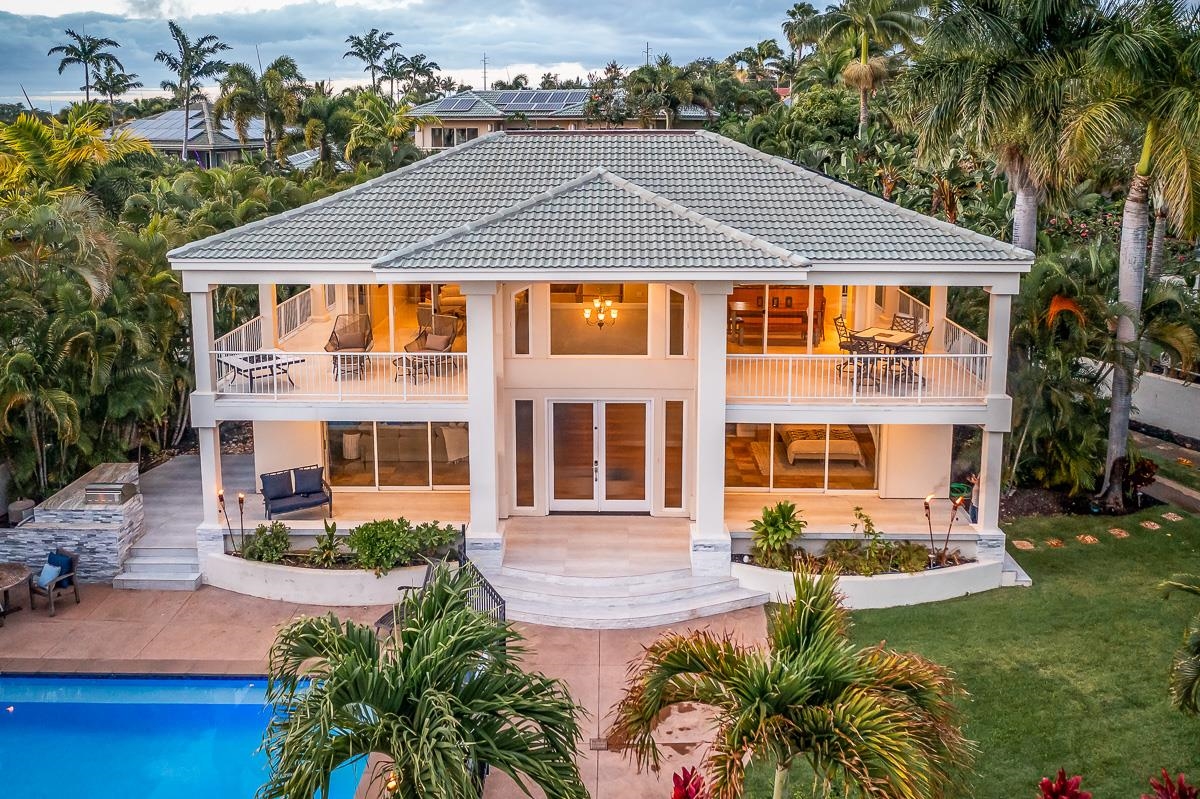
202 338
710 537
991 464
999 324
483 532
209 535
891 301
266 311
937 318
391 292
320 310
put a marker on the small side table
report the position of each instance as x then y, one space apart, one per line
12 575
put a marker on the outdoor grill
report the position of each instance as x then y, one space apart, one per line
108 493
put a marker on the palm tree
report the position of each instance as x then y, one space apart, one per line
1143 75
380 129
880 722
794 28
661 87
521 81
438 698
881 24
419 71
112 84
192 61
990 71
88 52
327 119
371 49
275 96
758 59
1184 684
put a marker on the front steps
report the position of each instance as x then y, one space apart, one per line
1011 574
603 603
157 568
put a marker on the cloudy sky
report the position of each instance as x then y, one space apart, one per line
570 37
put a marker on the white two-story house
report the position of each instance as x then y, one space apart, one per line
659 323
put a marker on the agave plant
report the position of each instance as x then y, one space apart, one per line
1063 787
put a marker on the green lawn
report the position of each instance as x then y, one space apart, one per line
1167 467
1070 672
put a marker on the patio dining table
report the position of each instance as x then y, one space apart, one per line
12 575
885 337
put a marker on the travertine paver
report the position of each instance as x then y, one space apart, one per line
217 632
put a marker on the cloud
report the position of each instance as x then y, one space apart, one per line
531 36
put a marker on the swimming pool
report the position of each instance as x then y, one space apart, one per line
110 738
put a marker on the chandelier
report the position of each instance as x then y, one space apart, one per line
600 313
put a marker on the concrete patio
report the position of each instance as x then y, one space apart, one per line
214 632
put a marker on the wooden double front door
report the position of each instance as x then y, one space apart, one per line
599 456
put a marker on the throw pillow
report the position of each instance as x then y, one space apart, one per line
64 566
437 343
48 576
308 479
277 485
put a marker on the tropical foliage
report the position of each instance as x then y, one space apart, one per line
864 720
439 698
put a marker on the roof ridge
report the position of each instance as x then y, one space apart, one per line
629 187
386 177
865 196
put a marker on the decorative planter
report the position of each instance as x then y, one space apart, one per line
883 590
308 586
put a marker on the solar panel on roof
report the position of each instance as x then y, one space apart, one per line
507 97
577 96
558 98
521 106
546 106
466 104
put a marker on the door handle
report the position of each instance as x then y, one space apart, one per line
595 471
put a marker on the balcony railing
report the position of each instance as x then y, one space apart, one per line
399 377
293 313
246 336
865 379
960 341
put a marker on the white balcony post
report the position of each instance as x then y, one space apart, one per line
266 310
210 472
991 464
483 533
320 309
937 318
710 538
999 323
203 342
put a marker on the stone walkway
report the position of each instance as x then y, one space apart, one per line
216 632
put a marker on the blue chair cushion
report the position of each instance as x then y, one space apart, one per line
48 576
308 479
297 502
64 567
277 485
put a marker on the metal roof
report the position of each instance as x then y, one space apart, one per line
802 211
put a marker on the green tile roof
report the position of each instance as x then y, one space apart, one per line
764 197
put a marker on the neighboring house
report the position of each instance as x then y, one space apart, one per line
211 141
473 113
716 384
306 159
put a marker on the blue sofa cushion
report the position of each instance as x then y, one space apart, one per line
297 502
277 485
64 567
308 479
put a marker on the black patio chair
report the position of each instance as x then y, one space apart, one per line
907 354
850 345
904 322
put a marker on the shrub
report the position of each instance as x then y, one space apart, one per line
324 555
688 783
1168 789
1062 788
268 543
774 533
877 557
844 555
910 557
384 545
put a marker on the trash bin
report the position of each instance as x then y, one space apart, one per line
350 442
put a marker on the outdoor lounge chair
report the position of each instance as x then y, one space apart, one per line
429 353
290 490
352 333
66 582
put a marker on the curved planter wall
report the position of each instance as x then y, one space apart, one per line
883 590
308 586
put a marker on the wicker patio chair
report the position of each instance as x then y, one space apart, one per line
352 333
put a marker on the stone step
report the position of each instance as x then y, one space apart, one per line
606 591
152 551
577 580
1011 574
158 581
585 614
140 564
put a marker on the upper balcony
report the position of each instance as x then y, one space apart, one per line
299 362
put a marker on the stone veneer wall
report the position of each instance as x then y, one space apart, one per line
101 535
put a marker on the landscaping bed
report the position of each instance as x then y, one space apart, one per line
1072 672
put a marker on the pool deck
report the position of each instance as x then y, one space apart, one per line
214 632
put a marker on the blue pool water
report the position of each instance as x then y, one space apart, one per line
144 737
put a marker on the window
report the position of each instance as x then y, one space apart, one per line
599 319
774 318
676 335
449 137
397 454
521 322
523 427
800 457
673 454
